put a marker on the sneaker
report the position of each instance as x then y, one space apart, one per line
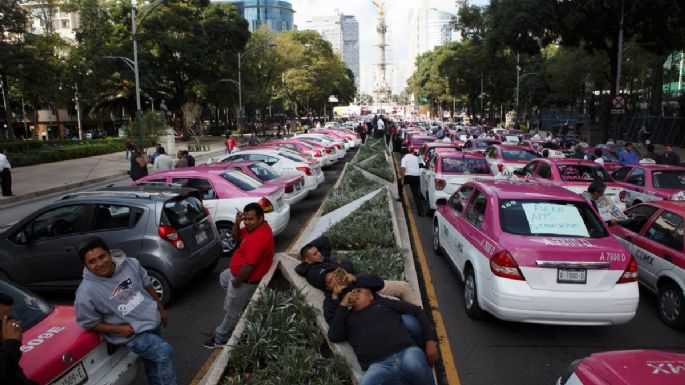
212 344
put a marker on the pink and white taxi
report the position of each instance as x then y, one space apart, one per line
651 182
532 252
574 175
57 351
627 367
654 236
446 172
505 159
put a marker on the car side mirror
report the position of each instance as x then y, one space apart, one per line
441 202
519 172
22 238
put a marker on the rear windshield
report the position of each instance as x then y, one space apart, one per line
465 166
511 138
669 179
184 212
583 173
292 157
518 155
263 172
485 143
552 218
241 180
27 308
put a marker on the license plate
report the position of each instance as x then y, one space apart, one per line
200 237
572 276
75 376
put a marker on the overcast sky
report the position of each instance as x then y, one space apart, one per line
397 18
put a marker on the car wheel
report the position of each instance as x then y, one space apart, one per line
670 304
161 286
471 305
228 244
436 239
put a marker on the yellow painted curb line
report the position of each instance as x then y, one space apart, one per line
451 372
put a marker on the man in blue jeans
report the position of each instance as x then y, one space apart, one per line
116 299
384 348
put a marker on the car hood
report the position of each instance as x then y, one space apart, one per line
632 367
527 250
48 344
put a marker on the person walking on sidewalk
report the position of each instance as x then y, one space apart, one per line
128 147
116 299
249 263
5 174
138 164
230 143
189 158
411 171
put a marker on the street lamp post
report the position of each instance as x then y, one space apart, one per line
78 112
237 84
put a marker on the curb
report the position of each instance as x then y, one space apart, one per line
36 194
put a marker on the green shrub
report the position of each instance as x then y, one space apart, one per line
369 149
387 263
379 166
353 185
368 227
282 344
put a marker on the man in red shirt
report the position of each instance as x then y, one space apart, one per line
230 143
249 263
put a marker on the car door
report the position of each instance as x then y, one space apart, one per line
49 255
119 225
660 245
427 175
452 232
206 188
628 232
476 242
635 186
528 171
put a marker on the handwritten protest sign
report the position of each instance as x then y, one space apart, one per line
608 209
559 219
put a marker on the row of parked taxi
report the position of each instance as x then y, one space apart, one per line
529 244
176 223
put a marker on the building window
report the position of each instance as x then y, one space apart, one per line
65 24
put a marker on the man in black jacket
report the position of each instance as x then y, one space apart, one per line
10 342
669 156
385 349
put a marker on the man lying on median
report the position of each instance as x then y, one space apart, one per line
373 326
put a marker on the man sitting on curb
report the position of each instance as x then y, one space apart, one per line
384 348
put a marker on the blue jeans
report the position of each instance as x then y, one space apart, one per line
406 367
157 355
414 328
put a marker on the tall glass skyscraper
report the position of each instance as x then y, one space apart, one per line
276 15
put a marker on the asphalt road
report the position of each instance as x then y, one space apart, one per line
490 351
197 308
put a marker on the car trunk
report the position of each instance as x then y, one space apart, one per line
291 184
542 259
275 195
187 216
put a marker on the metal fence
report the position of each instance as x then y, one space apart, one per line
661 129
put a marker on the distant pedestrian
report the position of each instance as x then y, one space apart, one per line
410 173
598 156
669 156
128 147
155 154
181 161
44 135
650 154
5 174
231 143
189 158
248 265
253 140
138 164
116 299
578 152
287 128
628 155
163 161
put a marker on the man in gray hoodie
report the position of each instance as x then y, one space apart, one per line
116 299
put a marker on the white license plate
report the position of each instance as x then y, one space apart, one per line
75 376
572 276
200 237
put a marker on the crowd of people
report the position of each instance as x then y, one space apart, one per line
159 160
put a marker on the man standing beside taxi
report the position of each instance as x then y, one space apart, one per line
411 171
249 263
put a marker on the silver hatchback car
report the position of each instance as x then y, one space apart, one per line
167 229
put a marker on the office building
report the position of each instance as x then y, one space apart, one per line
342 31
428 28
276 15
42 18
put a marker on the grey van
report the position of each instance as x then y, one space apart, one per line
168 230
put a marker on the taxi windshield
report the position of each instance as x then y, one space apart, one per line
674 179
465 166
27 308
553 218
518 155
583 173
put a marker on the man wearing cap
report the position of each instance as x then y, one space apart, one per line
249 263
385 349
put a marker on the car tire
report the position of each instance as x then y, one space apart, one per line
671 305
436 238
228 244
471 305
161 286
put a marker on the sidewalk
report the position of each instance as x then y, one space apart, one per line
47 178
